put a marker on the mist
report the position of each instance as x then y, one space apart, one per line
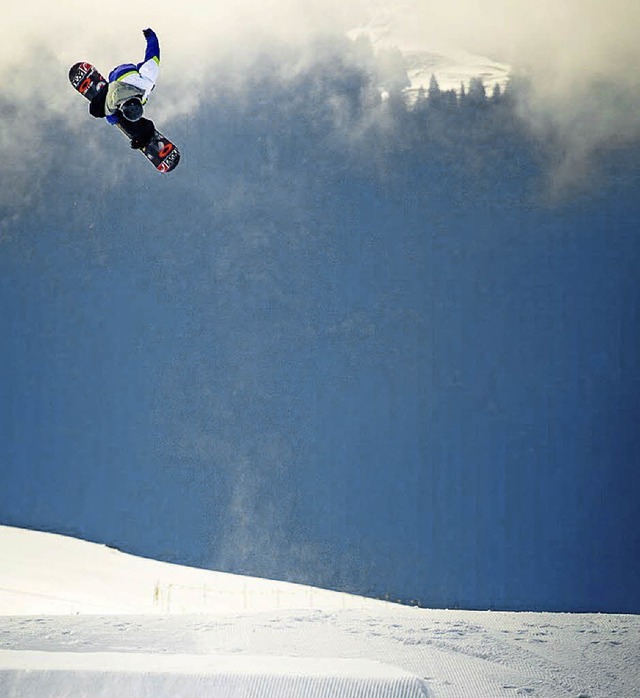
580 55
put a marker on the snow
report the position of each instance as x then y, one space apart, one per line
103 673
452 66
85 578
83 619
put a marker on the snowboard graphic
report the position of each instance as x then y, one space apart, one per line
161 152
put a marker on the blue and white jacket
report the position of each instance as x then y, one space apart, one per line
129 80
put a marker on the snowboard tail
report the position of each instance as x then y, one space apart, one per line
160 151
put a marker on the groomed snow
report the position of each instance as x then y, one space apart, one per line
121 674
83 619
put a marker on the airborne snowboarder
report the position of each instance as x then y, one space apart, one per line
128 91
120 99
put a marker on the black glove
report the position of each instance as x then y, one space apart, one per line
140 132
96 106
147 33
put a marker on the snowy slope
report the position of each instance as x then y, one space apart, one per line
44 573
126 634
452 66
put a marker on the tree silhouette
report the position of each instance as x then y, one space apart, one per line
477 92
434 90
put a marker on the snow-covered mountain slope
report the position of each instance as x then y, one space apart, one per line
49 574
453 67
137 627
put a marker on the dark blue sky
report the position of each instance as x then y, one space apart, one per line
388 364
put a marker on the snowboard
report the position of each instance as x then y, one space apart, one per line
161 152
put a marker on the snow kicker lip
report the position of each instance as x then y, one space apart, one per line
161 675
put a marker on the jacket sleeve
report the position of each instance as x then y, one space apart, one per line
150 66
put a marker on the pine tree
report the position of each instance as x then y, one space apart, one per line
434 90
477 92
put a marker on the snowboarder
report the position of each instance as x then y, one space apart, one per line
128 90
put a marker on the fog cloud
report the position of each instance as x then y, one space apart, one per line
563 45
582 56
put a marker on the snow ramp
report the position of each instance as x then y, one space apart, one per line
138 675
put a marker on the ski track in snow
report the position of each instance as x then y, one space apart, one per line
226 635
